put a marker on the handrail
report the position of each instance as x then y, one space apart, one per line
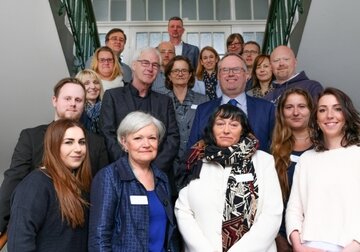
280 23
82 22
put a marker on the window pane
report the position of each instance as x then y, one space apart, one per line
206 9
205 39
101 10
249 36
189 9
223 10
172 8
193 38
259 38
261 8
219 42
155 10
155 39
141 40
243 9
138 10
118 10
165 36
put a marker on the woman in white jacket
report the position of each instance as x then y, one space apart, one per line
231 198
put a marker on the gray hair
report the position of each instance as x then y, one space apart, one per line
235 55
138 52
137 120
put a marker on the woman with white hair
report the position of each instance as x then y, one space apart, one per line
131 208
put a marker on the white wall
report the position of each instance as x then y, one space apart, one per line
330 47
32 62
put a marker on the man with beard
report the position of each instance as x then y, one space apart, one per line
283 64
69 102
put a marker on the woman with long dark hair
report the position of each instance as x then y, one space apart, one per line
49 208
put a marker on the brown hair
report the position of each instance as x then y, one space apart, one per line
64 81
114 30
200 68
170 65
283 141
95 62
69 187
258 61
351 128
231 39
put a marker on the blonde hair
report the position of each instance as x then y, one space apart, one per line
117 71
81 76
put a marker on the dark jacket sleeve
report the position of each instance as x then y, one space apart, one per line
195 129
98 153
170 144
109 127
23 161
29 207
103 204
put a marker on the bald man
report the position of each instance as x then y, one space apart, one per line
283 63
167 52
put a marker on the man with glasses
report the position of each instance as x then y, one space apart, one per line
176 30
232 79
251 51
116 40
167 52
118 102
283 64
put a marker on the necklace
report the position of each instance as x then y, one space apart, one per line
301 138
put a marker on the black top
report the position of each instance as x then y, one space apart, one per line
36 223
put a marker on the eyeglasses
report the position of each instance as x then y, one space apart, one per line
117 39
252 52
235 44
146 63
106 60
234 70
178 71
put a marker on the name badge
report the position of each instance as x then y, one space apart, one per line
294 158
194 106
244 177
138 200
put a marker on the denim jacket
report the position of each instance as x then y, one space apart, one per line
116 224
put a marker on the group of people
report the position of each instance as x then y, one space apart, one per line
187 151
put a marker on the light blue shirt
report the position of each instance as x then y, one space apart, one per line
241 99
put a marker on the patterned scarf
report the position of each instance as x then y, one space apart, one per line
241 196
93 113
210 84
242 188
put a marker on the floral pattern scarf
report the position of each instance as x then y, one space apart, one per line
210 84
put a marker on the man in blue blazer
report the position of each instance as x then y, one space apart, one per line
176 30
232 79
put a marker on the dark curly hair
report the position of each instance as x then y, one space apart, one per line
351 128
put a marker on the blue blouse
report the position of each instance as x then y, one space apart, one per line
157 223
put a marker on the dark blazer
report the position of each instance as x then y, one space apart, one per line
28 155
118 102
192 53
261 115
117 224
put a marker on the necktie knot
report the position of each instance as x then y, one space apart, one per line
233 102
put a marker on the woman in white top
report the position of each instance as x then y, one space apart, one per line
106 65
231 199
324 204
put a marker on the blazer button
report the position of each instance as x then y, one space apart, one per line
165 202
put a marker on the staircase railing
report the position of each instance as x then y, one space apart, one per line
82 22
280 23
